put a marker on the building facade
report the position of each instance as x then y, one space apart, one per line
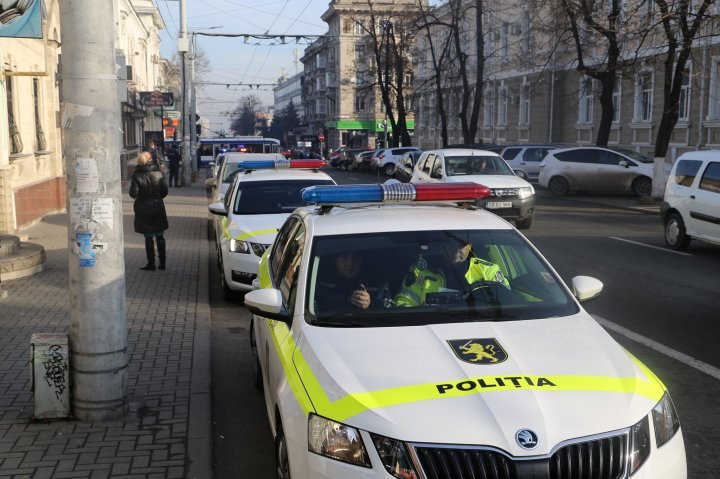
32 171
533 93
338 97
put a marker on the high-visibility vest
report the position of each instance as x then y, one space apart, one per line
418 283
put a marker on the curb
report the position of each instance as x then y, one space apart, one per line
200 417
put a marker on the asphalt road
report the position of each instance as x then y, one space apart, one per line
662 306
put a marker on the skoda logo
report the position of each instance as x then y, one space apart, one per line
526 438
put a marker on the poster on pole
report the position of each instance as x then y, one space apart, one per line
21 18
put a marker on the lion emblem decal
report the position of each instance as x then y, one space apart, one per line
478 351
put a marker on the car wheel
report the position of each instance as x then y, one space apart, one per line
675 234
282 463
559 186
389 169
227 293
257 373
642 186
526 223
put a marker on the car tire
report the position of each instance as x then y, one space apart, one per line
675 234
257 373
642 186
559 186
389 169
282 462
525 224
227 293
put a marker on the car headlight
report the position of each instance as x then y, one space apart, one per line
237 246
639 444
394 457
336 441
525 192
665 420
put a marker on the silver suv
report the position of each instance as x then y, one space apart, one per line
386 160
525 159
691 206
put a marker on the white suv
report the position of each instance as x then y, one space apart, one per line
387 159
691 207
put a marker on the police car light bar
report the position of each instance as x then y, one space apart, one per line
394 193
280 164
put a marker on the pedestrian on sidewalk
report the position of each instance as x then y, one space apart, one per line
148 188
173 155
150 148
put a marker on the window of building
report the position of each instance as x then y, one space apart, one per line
525 34
644 97
504 34
616 99
433 110
714 99
585 110
524 117
421 112
359 102
502 104
360 53
40 143
684 111
488 106
359 27
321 106
16 145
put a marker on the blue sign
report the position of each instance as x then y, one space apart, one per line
21 19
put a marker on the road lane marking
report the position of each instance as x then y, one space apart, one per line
667 250
661 348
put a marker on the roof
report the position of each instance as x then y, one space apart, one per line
235 156
700 155
462 152
393 217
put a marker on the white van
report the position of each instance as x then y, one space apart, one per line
691 207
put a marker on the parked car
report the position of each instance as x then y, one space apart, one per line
512 197
691 206
226 169
591 168
347 157
361 161
525 159
387 159
404 170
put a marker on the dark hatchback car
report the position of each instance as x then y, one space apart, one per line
405 167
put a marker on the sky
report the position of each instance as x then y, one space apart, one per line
233 61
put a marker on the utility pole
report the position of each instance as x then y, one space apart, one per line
184 48
91 124
193 111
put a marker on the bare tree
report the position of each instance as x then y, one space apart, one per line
681 22
246 115
435 43
594 26
390 33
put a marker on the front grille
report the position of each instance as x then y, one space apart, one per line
598 459
603 458
442 463
504 193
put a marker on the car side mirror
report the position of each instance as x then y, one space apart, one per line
623 163
586 288
218 209
210 183
268 304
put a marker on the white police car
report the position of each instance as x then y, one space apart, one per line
507 377
261 196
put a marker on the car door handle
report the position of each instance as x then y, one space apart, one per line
692 197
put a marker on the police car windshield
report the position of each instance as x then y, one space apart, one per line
271 197
420 277
476 165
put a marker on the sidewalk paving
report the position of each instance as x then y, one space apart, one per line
167 433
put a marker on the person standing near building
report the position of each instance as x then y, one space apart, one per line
150 148
173 155
148 188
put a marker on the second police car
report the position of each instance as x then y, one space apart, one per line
396 339
262 194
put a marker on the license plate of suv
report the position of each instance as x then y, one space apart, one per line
492 205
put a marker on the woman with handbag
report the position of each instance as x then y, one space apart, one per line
148 188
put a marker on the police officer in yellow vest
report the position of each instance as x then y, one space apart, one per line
419 280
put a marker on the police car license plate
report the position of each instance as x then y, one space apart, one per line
498 204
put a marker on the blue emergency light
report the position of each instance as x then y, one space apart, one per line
280 164
393 193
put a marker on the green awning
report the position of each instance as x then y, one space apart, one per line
372 125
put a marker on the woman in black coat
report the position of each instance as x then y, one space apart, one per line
148 187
